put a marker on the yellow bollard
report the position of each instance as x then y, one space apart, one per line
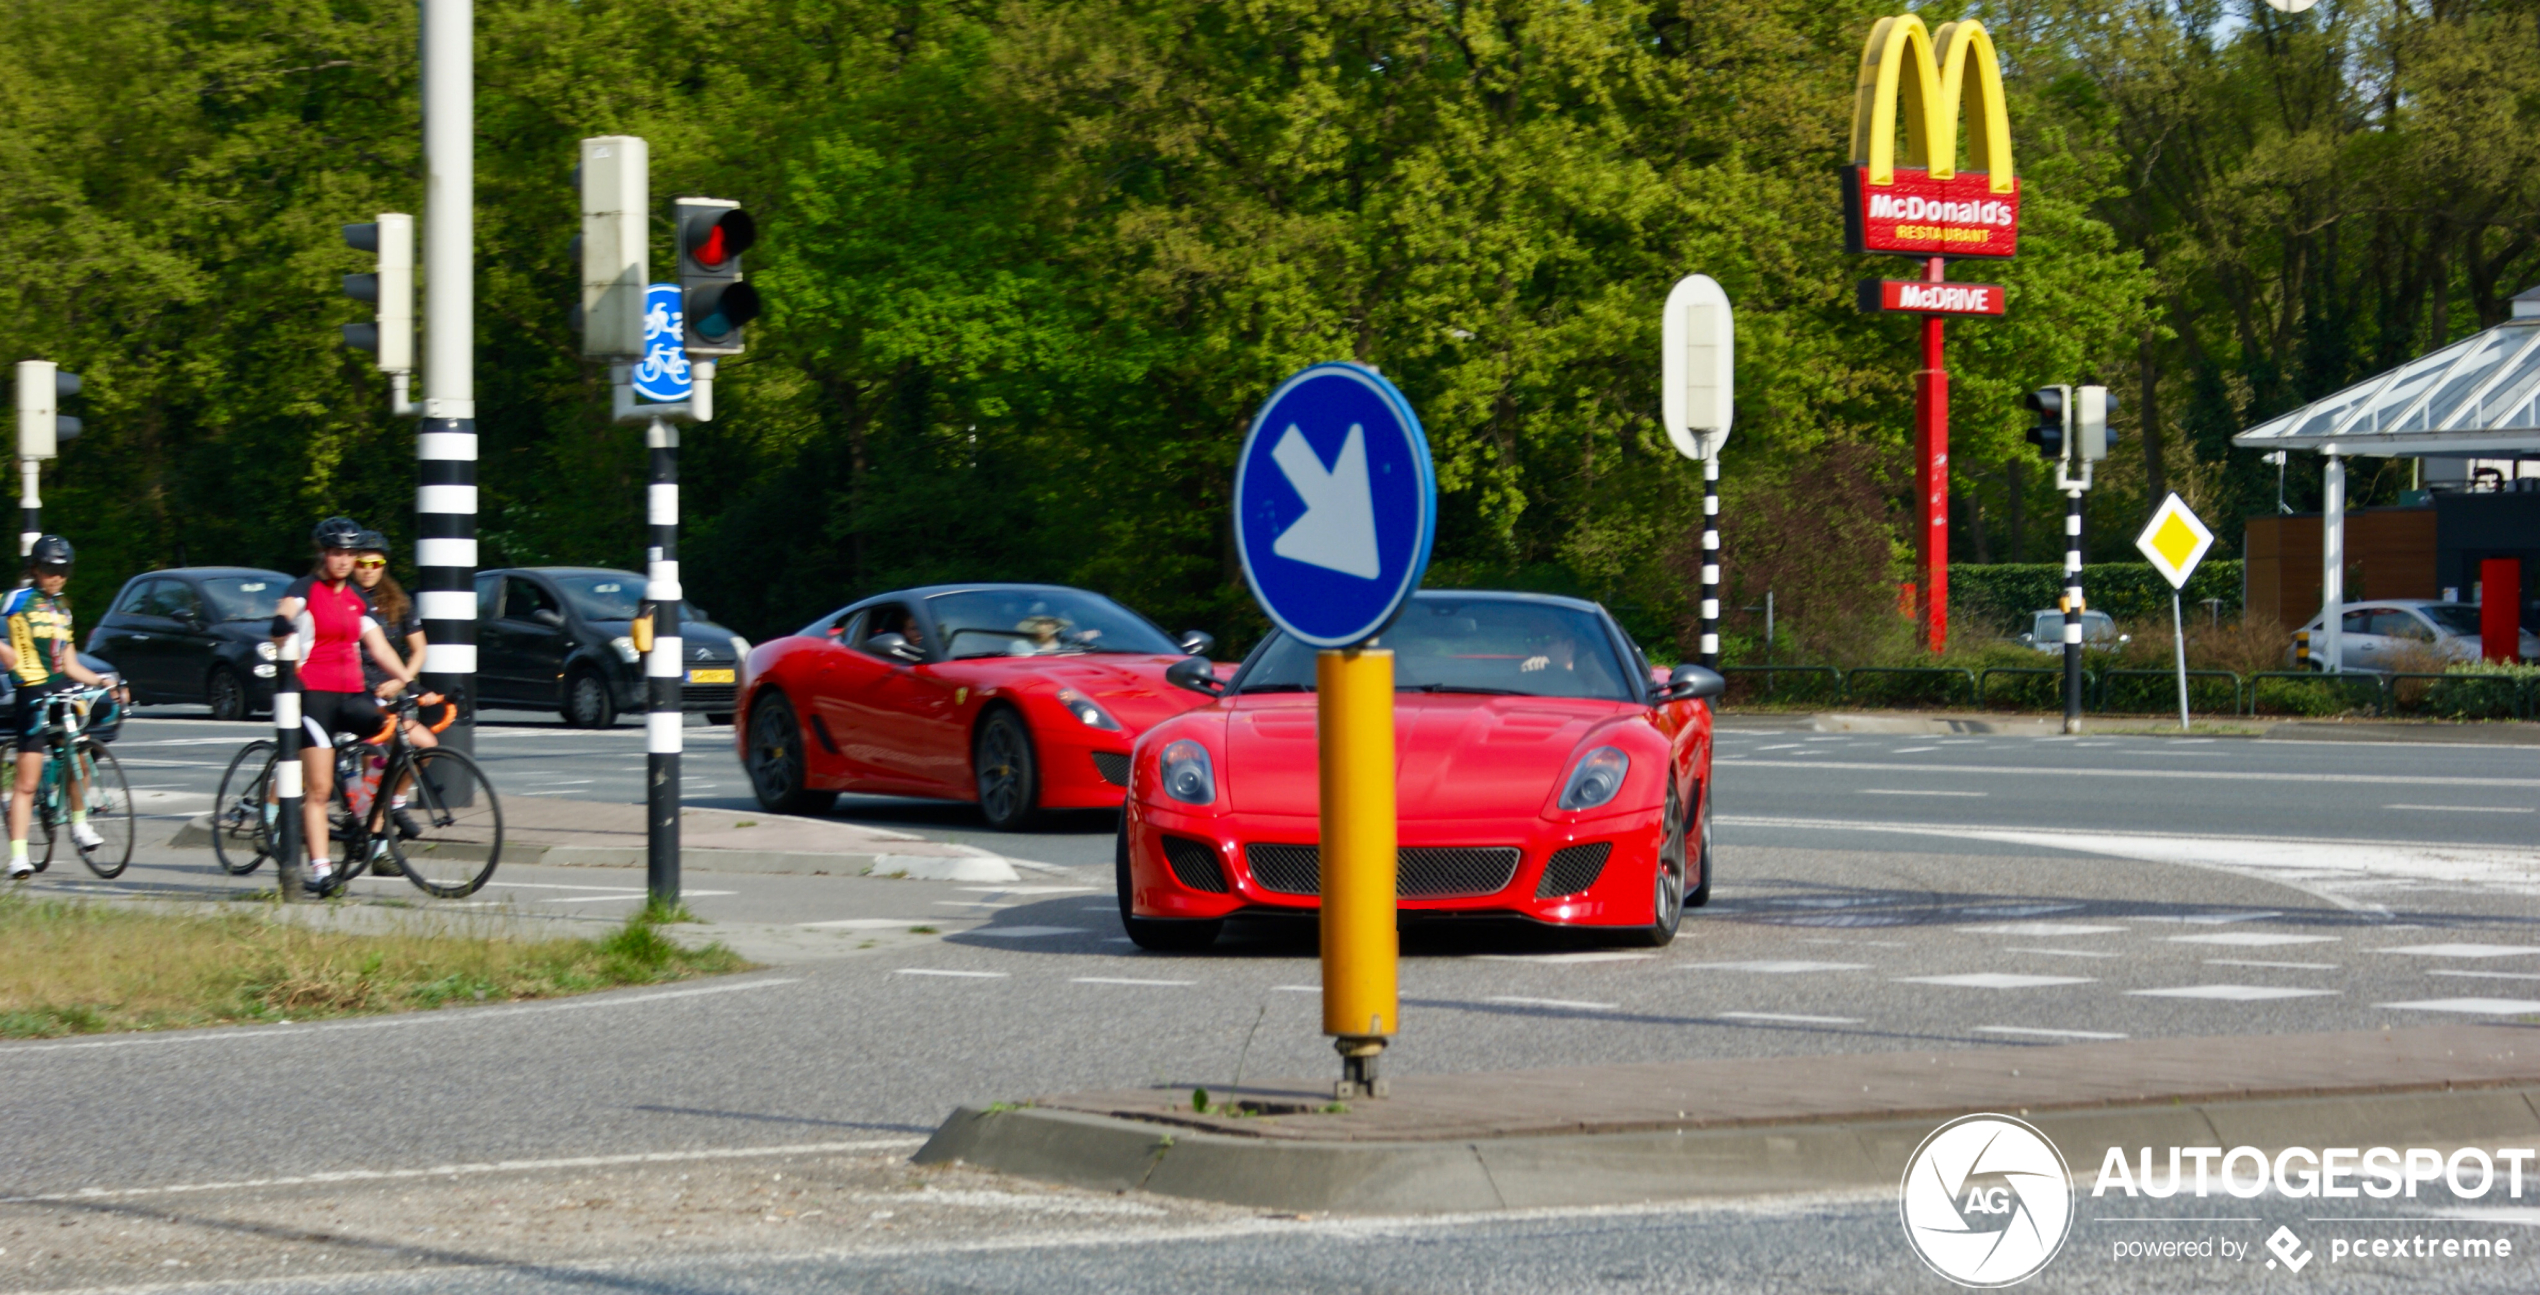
1354 729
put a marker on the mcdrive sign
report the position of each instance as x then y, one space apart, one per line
1920 203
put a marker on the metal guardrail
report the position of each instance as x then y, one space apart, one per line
2169 680
2458 696
1772 672
1911 671
2350 682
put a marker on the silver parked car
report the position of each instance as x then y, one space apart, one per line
2098 632
2372 634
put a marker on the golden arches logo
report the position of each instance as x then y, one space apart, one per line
1908 196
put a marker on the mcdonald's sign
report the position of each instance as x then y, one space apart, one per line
1920 203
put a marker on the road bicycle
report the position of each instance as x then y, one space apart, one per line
75 757
451 840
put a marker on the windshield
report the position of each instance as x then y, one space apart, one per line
614 595
243 598
2096 627
1443 643
1041 622
2453 618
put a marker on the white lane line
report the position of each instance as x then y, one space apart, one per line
2489 975
2473 1006
2465 950
2046 1034
1597 955
2205 775
1026 932
1898 791
2232 993
2280 966
2070 953
2041 929
1512 1000
558 782
1912 750
2467 809
1791 1018
1122 980
1995 980
1296 989
1026 890
1779 746
942 971
482 1167
267 1033
1779 966
865 923
2252 939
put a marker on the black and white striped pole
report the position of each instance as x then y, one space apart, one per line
445 446
663 668
2073 605
1697 396
286 767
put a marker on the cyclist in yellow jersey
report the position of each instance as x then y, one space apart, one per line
38 653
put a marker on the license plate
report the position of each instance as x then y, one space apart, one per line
709 676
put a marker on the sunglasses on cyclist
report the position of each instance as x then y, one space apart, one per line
370 564
52 568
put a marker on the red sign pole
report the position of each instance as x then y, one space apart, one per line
1931 474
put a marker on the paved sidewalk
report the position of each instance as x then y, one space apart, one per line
1944 723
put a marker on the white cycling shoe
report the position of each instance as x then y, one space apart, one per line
20 870
85 837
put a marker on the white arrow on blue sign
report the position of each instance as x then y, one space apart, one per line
1336 503
663 374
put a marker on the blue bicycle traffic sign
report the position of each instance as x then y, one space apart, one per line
1336 503
663 374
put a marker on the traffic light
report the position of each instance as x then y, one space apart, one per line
715 303
2050 405
2094 406
616 189
391 334
42 427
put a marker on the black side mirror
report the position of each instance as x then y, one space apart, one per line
549 617
896 647
1197 675
1688 682
1197 642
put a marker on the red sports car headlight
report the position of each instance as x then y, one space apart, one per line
1187 774
1088 710
1596 779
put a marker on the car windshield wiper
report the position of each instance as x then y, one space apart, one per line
1277 687
1457 687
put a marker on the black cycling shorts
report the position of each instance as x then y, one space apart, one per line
31 710
324 714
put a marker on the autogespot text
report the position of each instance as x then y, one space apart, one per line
2381 1173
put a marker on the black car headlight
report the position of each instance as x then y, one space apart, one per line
1188 776
1596 779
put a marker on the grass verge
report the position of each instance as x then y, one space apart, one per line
80 968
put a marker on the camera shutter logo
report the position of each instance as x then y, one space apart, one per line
1987 1201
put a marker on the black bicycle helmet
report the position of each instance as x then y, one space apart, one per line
337 533
51 552
372 542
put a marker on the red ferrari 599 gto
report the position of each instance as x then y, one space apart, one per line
1542 773
1018 697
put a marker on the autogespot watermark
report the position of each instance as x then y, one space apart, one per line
1987 1200
2326 1173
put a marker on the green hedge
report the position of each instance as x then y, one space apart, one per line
2004 595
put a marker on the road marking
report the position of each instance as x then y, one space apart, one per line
228 1034
480 1167
2069 953
1026 890
1026 932
2046 1034
2206 775
1779 967
2474 1006
1513 1001
2252 938
1121 980
1897 791
2281 966
2489 975
1791 1018
939 971
2232 993
865 923
1995 980
556 782
1780 746
2041 929
1912 750
1599 955
2465 950
1296 989
2467 809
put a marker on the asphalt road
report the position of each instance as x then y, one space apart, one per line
1876 893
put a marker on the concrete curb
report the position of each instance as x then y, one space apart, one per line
1113 1154
971 865
1928 724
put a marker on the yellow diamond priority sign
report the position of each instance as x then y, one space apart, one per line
2175 541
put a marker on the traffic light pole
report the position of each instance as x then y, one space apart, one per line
663 671
1931 469
2073 489
30 507
286 769
445 444
1711 560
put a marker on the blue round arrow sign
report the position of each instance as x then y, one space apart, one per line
1336 503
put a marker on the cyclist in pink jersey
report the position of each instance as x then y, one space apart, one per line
332 623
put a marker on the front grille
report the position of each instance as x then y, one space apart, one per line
1113 766
717 697
1420 871
1194 863
1573 869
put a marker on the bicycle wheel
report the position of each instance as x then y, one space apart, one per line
461 837
242 829
109 803
45 819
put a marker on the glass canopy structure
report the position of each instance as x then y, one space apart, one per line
2478 396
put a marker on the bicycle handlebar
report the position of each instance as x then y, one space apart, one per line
401 707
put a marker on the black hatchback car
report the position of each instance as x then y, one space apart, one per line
194 634
556 638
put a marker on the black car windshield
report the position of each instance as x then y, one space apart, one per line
614 596
243 598
1442 643
1041 622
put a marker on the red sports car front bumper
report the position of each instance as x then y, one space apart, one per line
1205 866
